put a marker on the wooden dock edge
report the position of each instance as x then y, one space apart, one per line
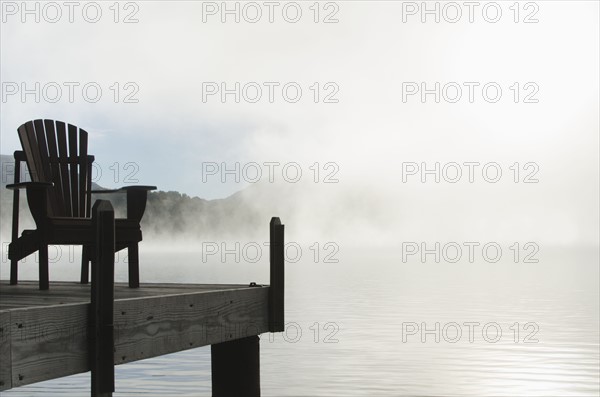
42 343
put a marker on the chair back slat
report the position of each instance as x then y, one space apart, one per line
57 152
60 209
22 132
42 148
42 145
63 157
83 172
73 154
29 143
88 188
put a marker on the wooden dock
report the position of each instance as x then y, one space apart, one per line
44 334
55 333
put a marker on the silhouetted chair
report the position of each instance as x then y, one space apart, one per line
59 196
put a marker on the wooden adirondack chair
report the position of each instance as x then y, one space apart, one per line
59 196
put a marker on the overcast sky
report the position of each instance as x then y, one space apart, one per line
368 122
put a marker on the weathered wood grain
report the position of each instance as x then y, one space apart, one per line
48 342
5 356
150 327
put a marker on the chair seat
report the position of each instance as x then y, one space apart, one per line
79 231
72 231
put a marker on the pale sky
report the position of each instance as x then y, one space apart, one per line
170 57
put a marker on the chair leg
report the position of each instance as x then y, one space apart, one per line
14 271
85 264
134 266
44 279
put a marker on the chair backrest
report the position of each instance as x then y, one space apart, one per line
57 152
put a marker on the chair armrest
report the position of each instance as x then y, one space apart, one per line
138 187
136 199
22 185
37 195
125 189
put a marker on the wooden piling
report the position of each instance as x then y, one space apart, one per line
101 318
235 368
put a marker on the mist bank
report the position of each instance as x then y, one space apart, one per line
378 210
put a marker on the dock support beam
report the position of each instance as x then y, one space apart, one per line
102 301
236 368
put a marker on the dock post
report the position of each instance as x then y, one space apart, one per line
235 367
14 270
277 273
102 300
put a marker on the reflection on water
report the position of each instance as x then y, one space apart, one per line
368 326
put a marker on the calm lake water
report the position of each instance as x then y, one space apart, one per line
355 327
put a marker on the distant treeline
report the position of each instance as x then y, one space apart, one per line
168 214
